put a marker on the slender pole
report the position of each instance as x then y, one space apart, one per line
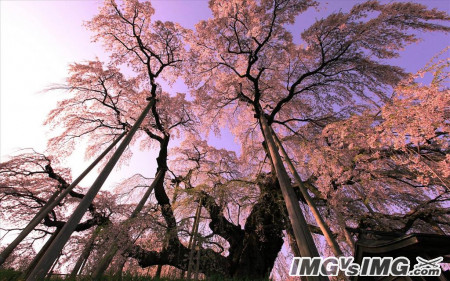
193 239
291 240
320 221
197 265
302 235
140 205
80 272
105 261
119 273
158 272
348 237
50 273
85 253
62 238
52 203
108 257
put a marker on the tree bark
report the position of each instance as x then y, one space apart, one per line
253 250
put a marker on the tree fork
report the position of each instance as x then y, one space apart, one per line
50 255
318 217
302 235
52 203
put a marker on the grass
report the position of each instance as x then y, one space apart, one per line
9 275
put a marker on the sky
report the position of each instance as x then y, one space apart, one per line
39 39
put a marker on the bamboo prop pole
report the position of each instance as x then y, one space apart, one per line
158 271
191 239
317 216
52 203
108 257
50 273
156 180
64 235
348 236
291 240
80 272
197 265
302 235
85 253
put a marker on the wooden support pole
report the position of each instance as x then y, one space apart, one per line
342 224
62 238
197 265
302 235
193 239
317 216
50 273
85 253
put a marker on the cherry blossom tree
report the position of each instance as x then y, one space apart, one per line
399 154
250 63
366 161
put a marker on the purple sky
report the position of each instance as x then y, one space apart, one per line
40 38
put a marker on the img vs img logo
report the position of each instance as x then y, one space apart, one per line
370 266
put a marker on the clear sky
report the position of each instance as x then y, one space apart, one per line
40 38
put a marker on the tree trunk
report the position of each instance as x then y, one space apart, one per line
303 237
263 233
57 245
253 250
52 203
317 216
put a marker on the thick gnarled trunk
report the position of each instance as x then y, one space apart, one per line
252 250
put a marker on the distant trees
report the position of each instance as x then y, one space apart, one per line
366 161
